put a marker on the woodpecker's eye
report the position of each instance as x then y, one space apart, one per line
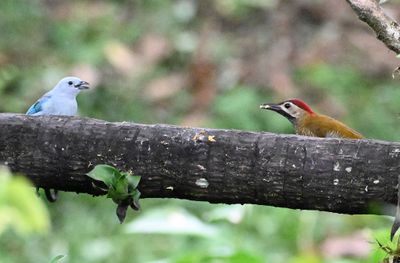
70 83
286 105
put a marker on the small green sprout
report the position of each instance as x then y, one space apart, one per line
121 187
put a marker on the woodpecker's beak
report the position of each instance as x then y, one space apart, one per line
269 106
82 85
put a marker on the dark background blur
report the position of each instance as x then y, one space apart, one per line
209 64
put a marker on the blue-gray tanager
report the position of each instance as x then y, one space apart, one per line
61 100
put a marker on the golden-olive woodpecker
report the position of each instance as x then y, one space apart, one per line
307 122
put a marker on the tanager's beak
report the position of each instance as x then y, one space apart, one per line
82 85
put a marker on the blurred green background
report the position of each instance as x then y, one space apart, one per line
198 63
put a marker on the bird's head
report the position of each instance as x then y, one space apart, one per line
71 85
292 109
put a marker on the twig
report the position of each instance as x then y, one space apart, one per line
387 29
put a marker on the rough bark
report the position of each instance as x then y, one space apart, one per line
231 166
387 30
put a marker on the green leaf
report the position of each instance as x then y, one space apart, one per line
133 180
57 258
104 173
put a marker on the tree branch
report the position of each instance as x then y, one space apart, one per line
225 166
386 29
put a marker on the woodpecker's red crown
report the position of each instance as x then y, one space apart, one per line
300 104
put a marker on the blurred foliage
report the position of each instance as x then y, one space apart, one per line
57 258
386 247
20 208
202 63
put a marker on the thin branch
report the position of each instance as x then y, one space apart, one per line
387 30
224 166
